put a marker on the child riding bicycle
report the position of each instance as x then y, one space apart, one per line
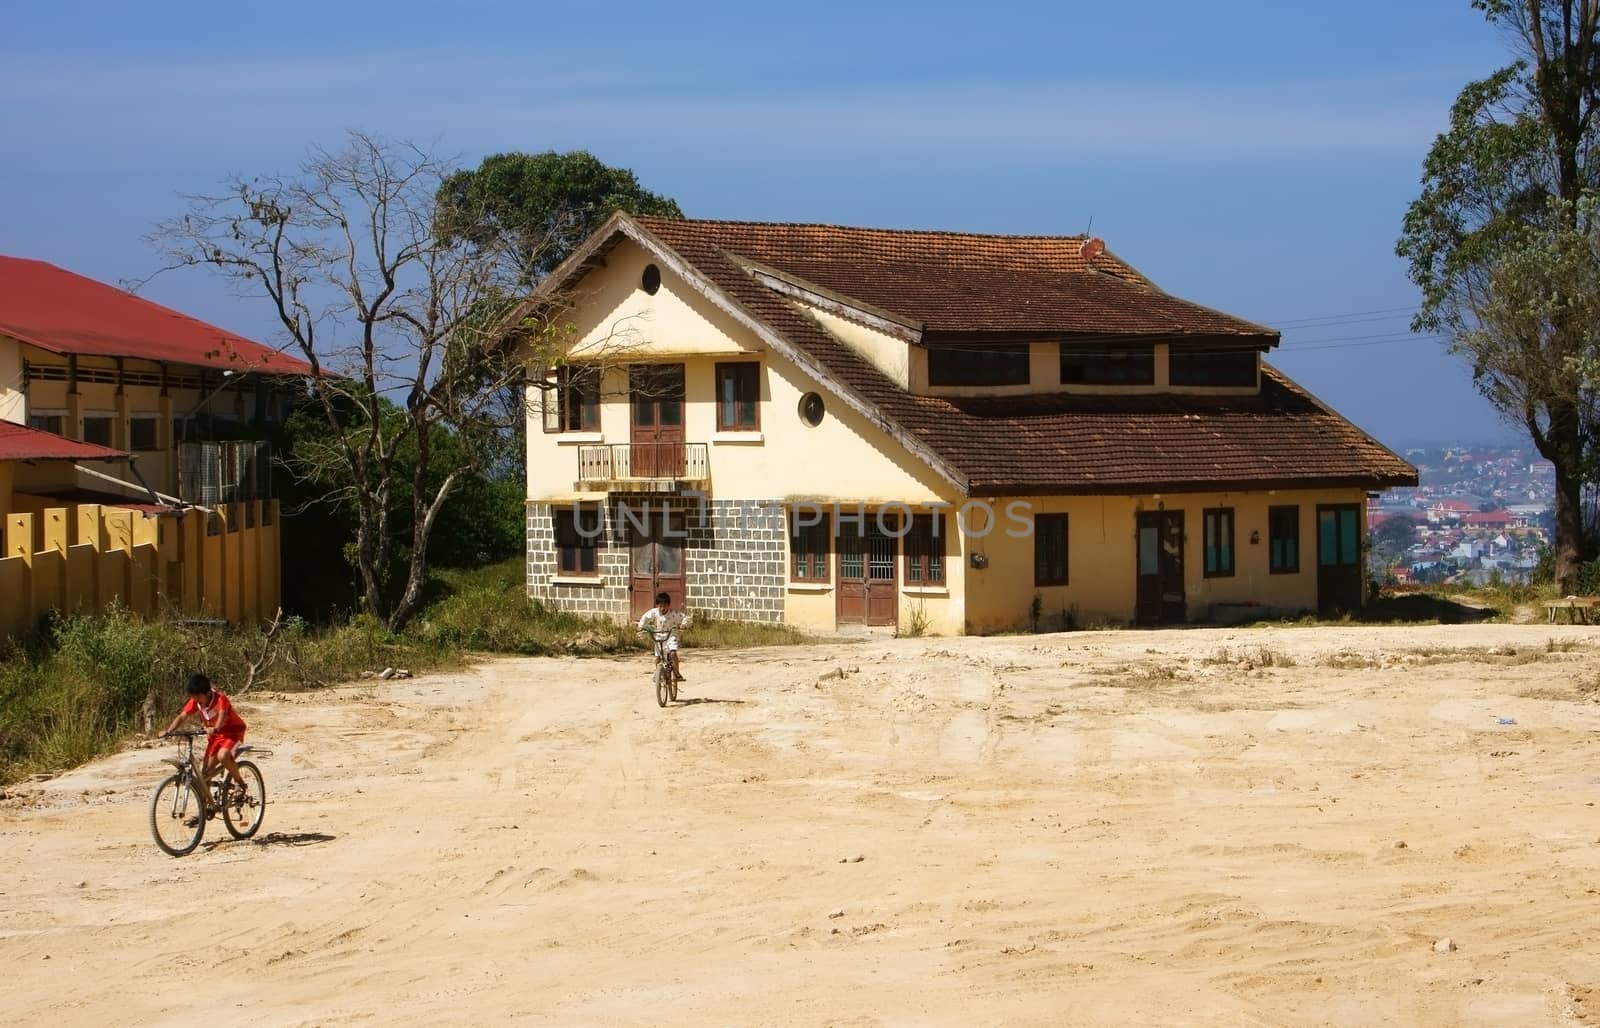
662 618
224 733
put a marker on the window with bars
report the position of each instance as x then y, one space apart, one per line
924 545
577 541
808 550
1219 542
1050 549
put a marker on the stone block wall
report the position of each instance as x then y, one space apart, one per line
735 557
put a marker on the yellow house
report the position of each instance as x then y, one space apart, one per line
829 426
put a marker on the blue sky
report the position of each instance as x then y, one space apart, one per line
1256 157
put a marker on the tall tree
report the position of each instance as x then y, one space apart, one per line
539 207
535 209
400 323
1501 240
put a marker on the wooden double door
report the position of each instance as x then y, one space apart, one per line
867 563
655 558
655 397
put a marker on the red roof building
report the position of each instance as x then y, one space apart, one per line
1489 519
65 313
92 372
18 442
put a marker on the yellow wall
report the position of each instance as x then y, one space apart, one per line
77 558
1101 557
7 484
888 354
845 457
850 460
159 466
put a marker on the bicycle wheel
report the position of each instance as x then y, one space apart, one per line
243 814
672 686
663 683
177 820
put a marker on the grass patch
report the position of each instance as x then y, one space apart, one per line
80 685
485 610
1253 656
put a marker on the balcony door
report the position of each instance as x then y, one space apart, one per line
655 395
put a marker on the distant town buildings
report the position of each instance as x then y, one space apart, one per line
1477 514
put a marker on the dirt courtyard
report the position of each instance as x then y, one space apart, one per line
1207 826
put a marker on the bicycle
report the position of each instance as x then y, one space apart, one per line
177 818
666 682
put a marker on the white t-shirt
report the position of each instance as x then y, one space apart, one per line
672 621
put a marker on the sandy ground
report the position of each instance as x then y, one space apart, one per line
1118 827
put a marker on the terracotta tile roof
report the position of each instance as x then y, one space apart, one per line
1054 443
19 442
66 313
960 284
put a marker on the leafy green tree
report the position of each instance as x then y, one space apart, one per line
535 209
539 207
1501 240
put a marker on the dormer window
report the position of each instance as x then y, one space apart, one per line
1096 364
1210 366
977 364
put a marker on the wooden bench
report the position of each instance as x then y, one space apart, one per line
1577 608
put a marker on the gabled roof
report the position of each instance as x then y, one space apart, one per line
66 313
1043 443
963 284
19 442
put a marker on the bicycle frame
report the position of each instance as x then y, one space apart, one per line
241 808
662 673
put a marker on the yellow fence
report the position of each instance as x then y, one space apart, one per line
205 563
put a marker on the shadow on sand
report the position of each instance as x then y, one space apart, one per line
279 839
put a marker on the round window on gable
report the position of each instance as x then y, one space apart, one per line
651 280
811 409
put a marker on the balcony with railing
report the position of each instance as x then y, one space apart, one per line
642 466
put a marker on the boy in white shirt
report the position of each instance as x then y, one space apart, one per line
661 618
